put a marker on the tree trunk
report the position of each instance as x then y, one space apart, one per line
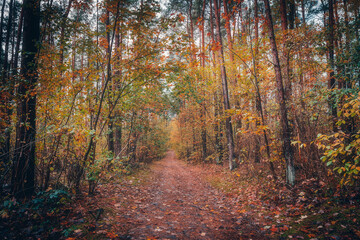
118 137
331 82
217 130
303 12
110 135
18 40
346 21
285 129
257 97
62 32
202 105
118 75
23 178
1 29
228 31
292 14
285 52
6 88
228 124
5 70
191 32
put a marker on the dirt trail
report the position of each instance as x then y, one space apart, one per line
175 203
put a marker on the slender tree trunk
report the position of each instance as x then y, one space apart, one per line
118 74
242 22
257 97
4 146
18 40
346 21
8 85
23 179
1 29
292 14
303 12
256 16
217 130
285 129
5 70
62 32
331 82
102 96
285 52
228 124
232 74
118 137
228 30
202 105
191 33
259 108
110 135
347 82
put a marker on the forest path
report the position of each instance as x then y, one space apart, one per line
175 202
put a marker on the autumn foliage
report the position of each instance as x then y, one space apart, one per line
93 91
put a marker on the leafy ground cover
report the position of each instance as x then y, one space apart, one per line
173 200
309 211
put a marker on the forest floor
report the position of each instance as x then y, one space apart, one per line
172 199
175 200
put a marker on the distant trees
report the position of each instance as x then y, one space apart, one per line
97 85
275 118
90 94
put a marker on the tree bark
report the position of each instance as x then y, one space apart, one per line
292 13
285 52
217 129
191 32
257 97
110 135
228 31
228 124
285 129
5 69
62 32
23 178
18 40
118 75
202 105
1 28
303 12
331 82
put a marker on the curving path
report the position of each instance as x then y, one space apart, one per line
175 203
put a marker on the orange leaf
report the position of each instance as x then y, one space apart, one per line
274 229
111 235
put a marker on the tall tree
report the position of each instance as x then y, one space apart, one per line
228 30
23 178
118 76
62 31
285 51
224 83
202 105
1 29
217 128
109 71
331 82
285 129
